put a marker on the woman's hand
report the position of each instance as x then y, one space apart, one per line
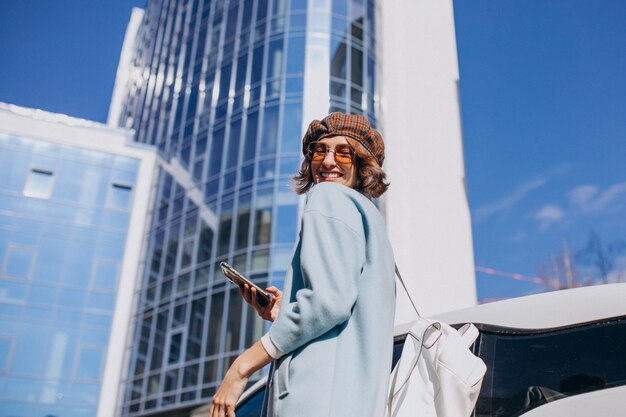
236 378
270 311
228 394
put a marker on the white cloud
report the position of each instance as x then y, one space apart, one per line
549 214
608 196
580 196
589 198
518 236
483 212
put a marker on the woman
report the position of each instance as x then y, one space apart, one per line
332 333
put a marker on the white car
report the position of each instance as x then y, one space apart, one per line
554 354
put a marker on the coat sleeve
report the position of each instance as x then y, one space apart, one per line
331 259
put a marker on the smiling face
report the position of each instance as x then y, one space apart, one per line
341 170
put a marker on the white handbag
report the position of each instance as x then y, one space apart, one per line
437 374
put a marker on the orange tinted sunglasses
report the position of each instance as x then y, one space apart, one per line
344 154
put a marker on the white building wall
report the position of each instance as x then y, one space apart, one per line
426 206
84 134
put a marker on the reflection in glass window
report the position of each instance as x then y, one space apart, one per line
338 90
247 172
224 84
206 241
226 221
100 301
13 292
89 363
357 30
262 226
210 371
6 349
250 138
289 164
69 297
175 345
267 169
263 217
287 219
239 262
191 220
254 327
215 324
159 342
260 260
166 289
240 80
295 55
275 59
257 65
233 144
269 131
78 263
338 60
233 324
18 261
340 8
215 155
187 254
196 328
42 295
105 274
243 221
190 376
294 86
153 385
172 249
357 67
39 183
292 126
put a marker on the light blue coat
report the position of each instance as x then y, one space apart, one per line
336 320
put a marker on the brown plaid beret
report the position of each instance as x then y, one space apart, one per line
354 126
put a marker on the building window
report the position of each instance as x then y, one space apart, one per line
105 274
89 362
6 351
18 261
119 196
39 183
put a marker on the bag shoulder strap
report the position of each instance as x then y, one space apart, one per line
407 291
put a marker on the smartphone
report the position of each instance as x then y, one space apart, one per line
236 278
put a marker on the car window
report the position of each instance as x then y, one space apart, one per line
398 344
252 406
526 370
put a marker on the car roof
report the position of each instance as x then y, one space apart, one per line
543 311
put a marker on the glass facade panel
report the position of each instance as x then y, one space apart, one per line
239 146
39 183
119 196
19 261
59 273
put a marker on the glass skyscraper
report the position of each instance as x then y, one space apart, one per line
69 191
224 90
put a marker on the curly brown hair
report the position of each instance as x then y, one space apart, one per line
370 176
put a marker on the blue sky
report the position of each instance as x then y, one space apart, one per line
543 93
